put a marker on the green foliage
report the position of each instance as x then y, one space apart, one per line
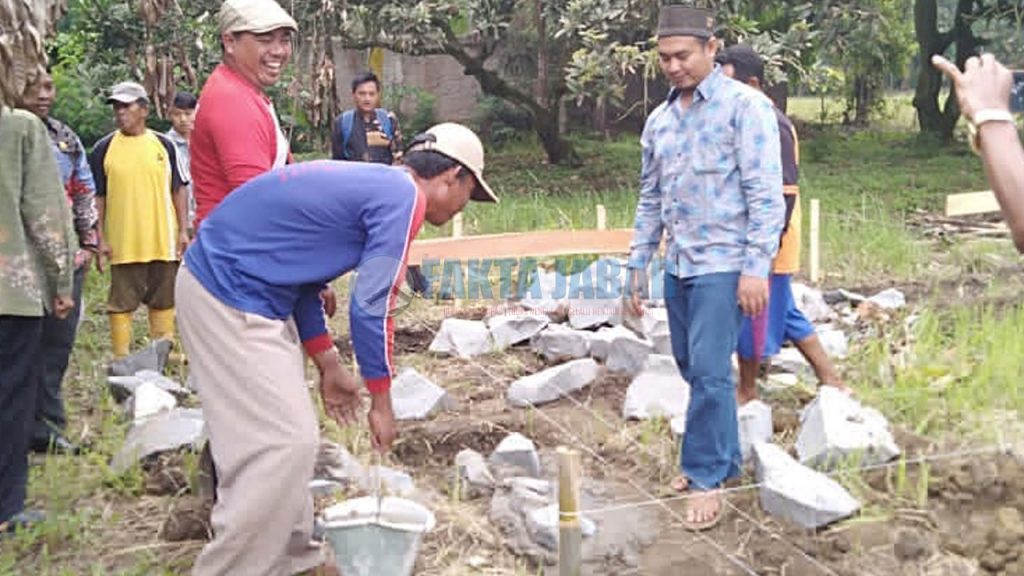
498 122
79 101
869 40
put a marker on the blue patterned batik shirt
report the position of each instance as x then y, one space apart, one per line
711 179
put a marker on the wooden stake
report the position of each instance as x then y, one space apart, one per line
457 233
570 531
815 240
602 217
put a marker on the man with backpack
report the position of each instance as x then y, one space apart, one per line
367 133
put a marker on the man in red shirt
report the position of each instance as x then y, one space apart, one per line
237 135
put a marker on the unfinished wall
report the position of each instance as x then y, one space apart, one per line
441 76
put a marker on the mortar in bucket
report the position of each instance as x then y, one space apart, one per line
372 541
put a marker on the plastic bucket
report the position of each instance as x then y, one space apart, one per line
368 544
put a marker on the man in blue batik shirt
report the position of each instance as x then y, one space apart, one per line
711 183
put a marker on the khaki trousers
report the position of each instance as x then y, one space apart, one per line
263 435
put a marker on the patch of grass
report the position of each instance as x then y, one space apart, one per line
962 367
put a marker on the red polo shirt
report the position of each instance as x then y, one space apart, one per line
235 138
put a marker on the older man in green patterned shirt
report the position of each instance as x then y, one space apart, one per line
37 248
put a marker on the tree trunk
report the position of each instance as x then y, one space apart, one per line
540 88
940 121
558 149
863 96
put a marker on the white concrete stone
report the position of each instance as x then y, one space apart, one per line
121 387
889 299
415 397
475 478
153 357
811 302
170 430
149 400
391 481
658 391
755 423
511 329
335 463
793 492
791 360
518 451
835 427
778 382
542 524
600 341
834 342
628 355
553 383
559 343
654 323
462 338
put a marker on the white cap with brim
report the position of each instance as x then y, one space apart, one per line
462 145
127 93
254 16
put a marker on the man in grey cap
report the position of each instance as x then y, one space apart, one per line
142 206
711 179
237 135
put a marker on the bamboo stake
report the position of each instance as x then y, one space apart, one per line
570 532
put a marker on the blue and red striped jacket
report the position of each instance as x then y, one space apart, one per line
275 242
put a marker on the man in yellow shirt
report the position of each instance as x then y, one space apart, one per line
142 203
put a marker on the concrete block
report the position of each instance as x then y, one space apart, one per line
415 397
795 493
462 338
517 451
559 343
511 329
835 427
553 383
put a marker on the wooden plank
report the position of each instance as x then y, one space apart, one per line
971 203
544 243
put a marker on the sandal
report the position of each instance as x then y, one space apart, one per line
712 521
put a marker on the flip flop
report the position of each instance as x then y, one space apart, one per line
709 523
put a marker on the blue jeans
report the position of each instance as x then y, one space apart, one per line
704 321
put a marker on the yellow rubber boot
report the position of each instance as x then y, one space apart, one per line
120 333
161 324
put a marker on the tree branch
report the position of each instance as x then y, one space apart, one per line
363 44
490 81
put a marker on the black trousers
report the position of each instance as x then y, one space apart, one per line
20 339
55 351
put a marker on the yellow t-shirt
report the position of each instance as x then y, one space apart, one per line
138 176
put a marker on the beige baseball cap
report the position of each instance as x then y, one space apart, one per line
255 16
462 145
128 93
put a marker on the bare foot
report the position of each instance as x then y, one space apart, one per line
704 509
680 483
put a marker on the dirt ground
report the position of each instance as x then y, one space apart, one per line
949 518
